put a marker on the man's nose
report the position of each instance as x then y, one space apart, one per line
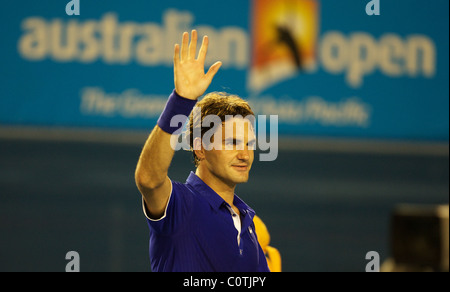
244 154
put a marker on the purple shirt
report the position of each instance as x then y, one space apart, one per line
197 233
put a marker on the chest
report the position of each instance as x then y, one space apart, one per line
216 235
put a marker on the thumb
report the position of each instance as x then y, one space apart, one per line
213 70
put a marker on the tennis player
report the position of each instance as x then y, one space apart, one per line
200 225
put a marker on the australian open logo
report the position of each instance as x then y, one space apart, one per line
284 41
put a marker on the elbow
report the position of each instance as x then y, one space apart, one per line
139 179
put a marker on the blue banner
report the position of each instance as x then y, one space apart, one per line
326 68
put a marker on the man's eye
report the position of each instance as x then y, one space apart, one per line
251 146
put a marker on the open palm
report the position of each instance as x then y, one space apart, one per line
189 72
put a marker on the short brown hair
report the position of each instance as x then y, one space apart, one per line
220 104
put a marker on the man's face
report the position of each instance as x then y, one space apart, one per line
232 156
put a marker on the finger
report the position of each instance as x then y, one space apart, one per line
213 70
193 45
203 49
185 46
176 55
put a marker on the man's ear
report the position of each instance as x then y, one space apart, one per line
198 148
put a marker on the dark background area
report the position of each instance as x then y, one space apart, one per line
324 209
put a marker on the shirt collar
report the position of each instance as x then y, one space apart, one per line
213 198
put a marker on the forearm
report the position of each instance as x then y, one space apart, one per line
157 153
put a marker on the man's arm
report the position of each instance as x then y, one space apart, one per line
190 83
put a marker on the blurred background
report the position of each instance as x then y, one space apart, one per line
362 104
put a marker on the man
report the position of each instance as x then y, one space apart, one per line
200 226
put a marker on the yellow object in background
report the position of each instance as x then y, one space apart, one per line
273 256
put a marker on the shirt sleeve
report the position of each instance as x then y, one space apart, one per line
176 212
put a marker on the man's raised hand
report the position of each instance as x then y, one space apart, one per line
189 72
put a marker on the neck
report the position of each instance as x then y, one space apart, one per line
224 190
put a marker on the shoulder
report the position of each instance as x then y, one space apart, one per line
182 189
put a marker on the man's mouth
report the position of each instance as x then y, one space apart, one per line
240 167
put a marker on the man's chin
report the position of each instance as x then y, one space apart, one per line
242 178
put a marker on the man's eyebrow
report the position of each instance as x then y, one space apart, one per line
232 139
236 140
